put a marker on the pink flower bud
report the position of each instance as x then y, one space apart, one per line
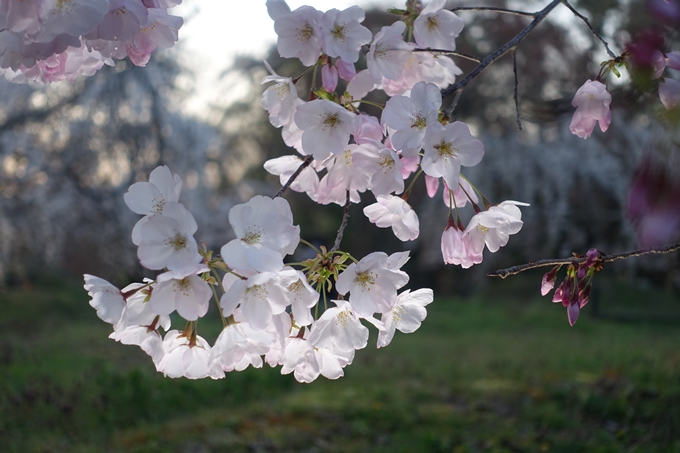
346 70
592 102
572 313
592 256
548 281
329 77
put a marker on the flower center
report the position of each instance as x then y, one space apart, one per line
282 90
344 317
365 279
347 156
419 121
258 291
330 120
252 236
432 23
178 242
183 286
446 149
305 32
398 312
387 164
158 205
339 32
482 228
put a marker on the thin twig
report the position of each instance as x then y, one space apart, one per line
514 69
490 59
341 230
592 30
451 52
502 273
305 163
494 10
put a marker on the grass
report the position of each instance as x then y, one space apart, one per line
498 372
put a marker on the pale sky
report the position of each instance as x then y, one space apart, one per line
217 30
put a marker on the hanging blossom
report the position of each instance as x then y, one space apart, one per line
592 102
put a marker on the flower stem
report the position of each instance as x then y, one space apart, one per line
217 299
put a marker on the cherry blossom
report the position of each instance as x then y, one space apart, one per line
279 100
437 28
106 298
494 227
343 35
326 127
393 212
149 198
371 284
406 315
284 167
187 357
264 235
669 92
299 34
456 250
339 329
189 295
239 346
447 148
592 102
407 118
388 53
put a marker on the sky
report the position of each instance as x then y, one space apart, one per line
216 31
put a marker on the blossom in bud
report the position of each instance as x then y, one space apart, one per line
189 295
447 148
548 280
406 315
372 284
326 127
329 77
592 256
455 249
343 35
264 235
368 130
279 100
346 70
167 240
407 118
669 93
592 102
187 357
388 53
437 28
394 212
658 64
106 298
299 34
673 60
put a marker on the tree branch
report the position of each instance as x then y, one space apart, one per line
503 273
345 220
305 163
450 52
514 70
494 10
490 59
592 30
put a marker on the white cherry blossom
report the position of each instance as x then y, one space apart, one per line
285 166
239 346
339 329
326 127
406 315
372 284
388 53
343 35
187 357
106 298
437 28
493 227
299 34
407 118
189 295
149 198
279 100
393 212
264 235
447 148
456 250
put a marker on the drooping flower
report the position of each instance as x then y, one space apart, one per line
406 315
393 212
493 227
456 250
339 329
592 102
187 356
106 298
279 100
264 235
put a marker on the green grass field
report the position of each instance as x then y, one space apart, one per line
499 372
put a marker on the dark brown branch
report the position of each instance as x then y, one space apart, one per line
494 10
514 69
305 163
592 30
490 59
345 220
502 273
450 52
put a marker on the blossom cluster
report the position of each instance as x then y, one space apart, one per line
54 40
266 306
354 152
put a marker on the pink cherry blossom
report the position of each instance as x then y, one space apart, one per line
388 53
343 35
669 92
592 102
329 77
456 249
